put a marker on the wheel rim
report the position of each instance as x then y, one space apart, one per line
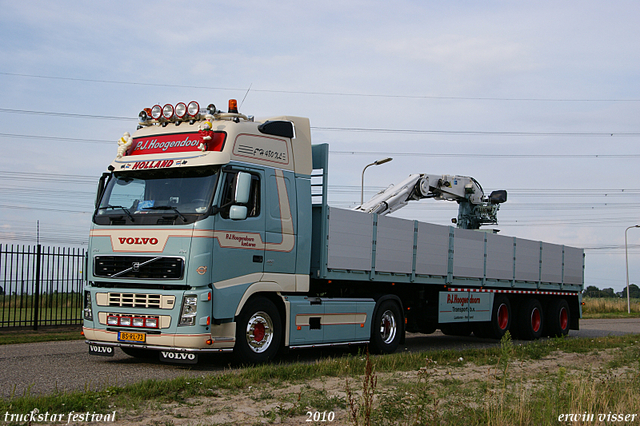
535 320
259 332
564 319
388 327
503 317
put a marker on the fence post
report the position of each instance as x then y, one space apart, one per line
36 296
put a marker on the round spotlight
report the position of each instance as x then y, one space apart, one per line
167 111
181 110
193 109
156 112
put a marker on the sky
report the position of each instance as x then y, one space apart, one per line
541 99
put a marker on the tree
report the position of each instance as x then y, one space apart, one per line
592 291
634 291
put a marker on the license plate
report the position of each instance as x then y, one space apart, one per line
125 336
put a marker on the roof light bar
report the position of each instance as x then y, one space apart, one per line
187 112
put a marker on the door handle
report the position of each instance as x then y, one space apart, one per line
258 259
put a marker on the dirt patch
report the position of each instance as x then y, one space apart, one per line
325 401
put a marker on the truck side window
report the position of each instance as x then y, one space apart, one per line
228 189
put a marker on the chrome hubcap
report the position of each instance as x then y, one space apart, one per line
259 332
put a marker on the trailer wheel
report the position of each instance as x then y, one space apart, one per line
258 332
558 318
531 320
500 319
386 329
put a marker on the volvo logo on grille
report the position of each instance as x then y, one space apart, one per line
135 266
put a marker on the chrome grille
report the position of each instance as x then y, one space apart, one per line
134 300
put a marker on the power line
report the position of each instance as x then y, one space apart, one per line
396 154
360 129
483 155
63 114
321 93
55 138
11 206
472 132
57 177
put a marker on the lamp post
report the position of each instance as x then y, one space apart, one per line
375 163
626 253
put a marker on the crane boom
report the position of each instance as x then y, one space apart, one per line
474 209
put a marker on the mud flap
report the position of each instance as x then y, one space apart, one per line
176 357
100 350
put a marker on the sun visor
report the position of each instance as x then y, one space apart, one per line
277 128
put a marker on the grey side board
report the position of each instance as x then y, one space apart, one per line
372 247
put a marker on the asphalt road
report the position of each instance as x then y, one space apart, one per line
39 368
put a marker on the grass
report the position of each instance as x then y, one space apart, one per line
437 387
610 307
11 336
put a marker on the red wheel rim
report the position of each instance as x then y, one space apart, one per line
258 332
503 317
535 320
564 319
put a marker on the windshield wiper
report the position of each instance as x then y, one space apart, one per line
184 219
124 209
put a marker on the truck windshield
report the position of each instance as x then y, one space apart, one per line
161 196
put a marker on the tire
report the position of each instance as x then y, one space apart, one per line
558 318
386 329
531 320
258 332
501 315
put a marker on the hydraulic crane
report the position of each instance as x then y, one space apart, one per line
474 209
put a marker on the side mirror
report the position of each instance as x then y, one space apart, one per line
243 188
238 212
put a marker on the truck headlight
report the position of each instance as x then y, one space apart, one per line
189 310
88 311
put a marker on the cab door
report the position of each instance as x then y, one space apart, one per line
281 223
238 249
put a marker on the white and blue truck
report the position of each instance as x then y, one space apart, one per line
212 233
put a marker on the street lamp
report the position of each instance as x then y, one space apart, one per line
626 253
375 163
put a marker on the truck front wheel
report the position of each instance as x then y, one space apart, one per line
386 329
531 320
258 332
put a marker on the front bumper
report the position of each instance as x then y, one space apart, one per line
220 339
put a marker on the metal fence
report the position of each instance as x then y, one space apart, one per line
40 286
